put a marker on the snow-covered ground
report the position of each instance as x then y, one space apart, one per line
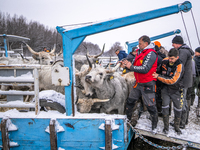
190 133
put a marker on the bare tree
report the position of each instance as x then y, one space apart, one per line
40 35
112 50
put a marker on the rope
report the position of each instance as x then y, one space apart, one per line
185 29
195 26
76 24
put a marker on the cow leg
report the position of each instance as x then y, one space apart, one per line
121 110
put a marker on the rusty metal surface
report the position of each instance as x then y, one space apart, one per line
4 134
53 135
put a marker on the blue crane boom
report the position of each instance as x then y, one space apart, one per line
72 38
131 45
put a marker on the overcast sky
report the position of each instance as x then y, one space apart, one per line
54 13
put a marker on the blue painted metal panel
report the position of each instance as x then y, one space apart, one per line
69 48
5 45
79 134
131 45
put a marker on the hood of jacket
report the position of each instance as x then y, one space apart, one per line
150 46
188 48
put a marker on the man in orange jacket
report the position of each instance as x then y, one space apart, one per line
144 65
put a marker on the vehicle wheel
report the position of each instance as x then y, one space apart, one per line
52 104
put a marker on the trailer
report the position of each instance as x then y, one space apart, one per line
73 130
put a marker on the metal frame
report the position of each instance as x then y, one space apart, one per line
131 45
72 38
15 80
8 38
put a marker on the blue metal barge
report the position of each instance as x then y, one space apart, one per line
73 131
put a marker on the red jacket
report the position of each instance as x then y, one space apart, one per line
147 77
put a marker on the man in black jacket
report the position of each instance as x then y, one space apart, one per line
185 55
171 75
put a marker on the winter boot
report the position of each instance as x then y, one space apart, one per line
177 120
183 119
176 125
129 107
154 115
188 110
166 124
129 112
154 121
159 107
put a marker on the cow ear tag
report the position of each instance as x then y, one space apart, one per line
97 61
111 77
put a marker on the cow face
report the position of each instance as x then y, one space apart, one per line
96 76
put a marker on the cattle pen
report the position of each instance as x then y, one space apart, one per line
73 130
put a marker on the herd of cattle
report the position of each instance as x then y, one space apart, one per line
98 89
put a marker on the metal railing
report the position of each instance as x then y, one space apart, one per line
15 76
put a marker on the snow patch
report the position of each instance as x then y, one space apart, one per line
58 127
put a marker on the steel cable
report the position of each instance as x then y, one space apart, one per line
195 26
186 30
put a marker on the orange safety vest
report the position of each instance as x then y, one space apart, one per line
147 77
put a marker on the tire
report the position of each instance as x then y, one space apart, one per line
50 103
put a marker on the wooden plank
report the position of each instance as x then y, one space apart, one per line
53 135
4 133
108 135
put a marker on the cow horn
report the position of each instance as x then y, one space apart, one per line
53 50
100 100
86 71
114 69
31 50
79 100
96 56
61 51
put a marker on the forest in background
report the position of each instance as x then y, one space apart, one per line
42 36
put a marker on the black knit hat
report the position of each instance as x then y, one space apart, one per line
177 39
197 49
